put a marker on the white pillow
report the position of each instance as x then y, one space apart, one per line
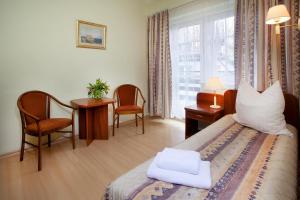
261 111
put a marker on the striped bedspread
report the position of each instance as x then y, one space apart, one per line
245 164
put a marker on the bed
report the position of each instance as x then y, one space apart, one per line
245 163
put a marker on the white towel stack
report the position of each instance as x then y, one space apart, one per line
181 167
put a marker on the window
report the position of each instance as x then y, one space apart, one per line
224 50
202 46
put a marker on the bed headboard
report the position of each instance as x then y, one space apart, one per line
291 111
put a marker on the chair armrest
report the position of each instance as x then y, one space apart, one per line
142 97
115 102
63 104
28 114
144 101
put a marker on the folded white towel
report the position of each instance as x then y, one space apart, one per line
201 180
179 160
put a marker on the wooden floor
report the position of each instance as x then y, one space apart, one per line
84 172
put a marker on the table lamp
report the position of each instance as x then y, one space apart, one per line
279 14
214 84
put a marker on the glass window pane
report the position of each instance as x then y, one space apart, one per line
198 51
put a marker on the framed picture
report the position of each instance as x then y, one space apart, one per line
91 35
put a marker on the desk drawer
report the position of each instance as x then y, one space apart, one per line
198 116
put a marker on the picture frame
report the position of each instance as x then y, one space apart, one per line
91 35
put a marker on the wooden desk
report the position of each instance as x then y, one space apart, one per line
93 118
202 112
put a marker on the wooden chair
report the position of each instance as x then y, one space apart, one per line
127 99
34 109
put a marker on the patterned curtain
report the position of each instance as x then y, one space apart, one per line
290 51
246 40
160 75
261 56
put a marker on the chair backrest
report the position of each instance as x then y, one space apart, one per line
36 103
126 95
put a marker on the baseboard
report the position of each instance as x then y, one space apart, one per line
60 140
31 148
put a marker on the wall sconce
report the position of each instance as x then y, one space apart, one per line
279 14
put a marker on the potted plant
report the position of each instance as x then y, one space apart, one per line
97 89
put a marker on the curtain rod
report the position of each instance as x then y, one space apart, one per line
187 3
181 5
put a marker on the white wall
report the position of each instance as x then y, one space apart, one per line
37 51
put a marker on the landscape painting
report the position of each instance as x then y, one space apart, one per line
91 35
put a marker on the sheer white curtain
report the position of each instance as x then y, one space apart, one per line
202 46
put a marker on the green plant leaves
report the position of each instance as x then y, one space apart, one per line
97 89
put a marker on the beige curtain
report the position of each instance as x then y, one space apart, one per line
159 65
261 56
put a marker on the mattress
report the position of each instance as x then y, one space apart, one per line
245 164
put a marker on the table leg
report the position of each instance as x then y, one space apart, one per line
93 123
89 116
101 122
82 123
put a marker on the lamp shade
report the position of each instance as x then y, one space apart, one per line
214 84
278 14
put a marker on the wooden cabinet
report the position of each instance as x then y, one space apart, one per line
201 112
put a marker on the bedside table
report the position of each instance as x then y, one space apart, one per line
201 112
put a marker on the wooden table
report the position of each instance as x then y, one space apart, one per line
202 112
93 118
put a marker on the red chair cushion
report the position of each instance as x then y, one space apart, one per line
132 109
49 125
